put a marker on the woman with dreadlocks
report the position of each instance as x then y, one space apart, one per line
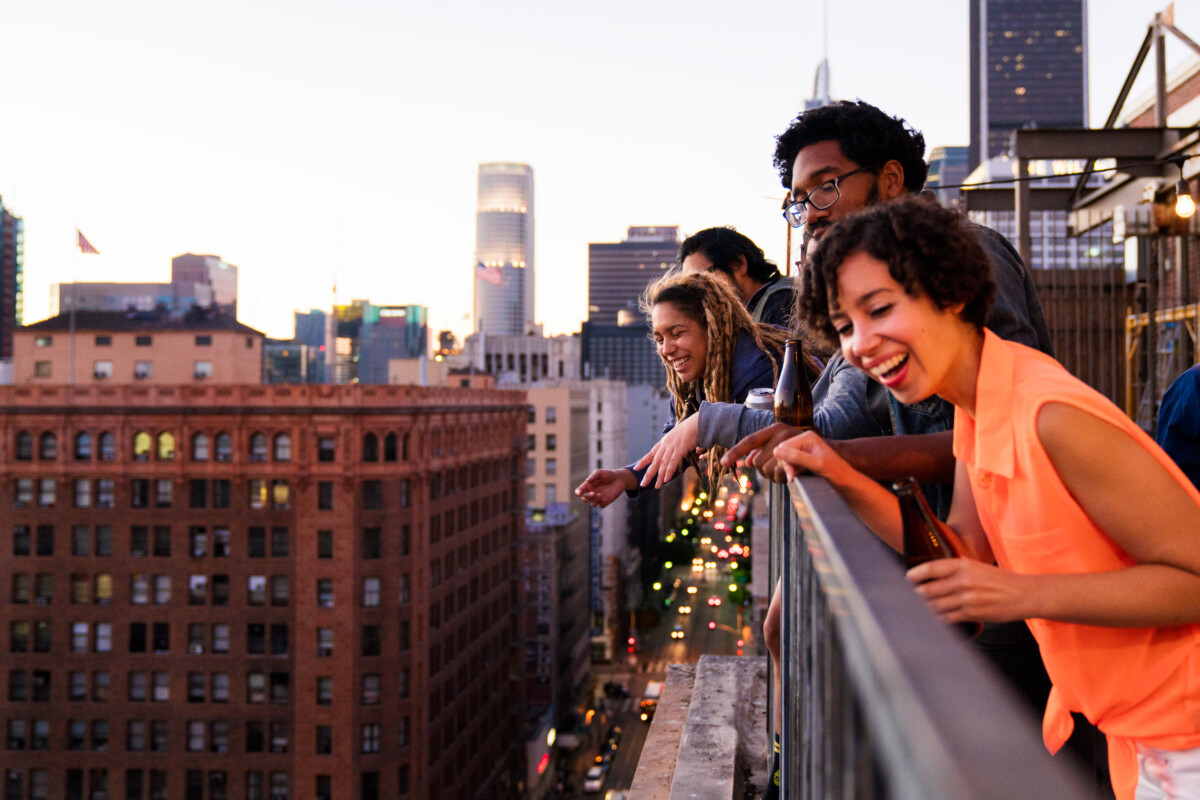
712 350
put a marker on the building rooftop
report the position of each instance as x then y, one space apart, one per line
197 319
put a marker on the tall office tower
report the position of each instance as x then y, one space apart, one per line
619 271
12 260
1028 69
241 592
947 168
504 249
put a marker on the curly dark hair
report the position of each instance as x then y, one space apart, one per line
928 249
723 245
866 136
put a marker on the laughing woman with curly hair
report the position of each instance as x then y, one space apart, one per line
711 350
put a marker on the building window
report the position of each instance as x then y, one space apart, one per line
166 446
83 447
371 592
258 447
325 448
46 492
108 447
279 639
162 541
325 690
324 642
200 447
43 341
141 446
105 494
324 544
256 490
372 543
551 493
83 493
325 593
202 369
143 341
551 441
370 447
551 414
256 588
102 370
283 447
221 542
45 540
370 690
163 489
370 738
551 466
256 687
104 533
224 449
197 493
280 591
41 369
220 638
142 370
325 495
162 590
324 740
221 493
279 542
203 341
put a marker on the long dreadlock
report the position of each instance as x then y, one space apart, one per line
712 303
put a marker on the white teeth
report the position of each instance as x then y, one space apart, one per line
879 370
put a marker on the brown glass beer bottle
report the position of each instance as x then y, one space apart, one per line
793 396
926 537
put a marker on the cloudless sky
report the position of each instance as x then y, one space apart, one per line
310 141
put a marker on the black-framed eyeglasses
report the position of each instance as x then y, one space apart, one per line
820 198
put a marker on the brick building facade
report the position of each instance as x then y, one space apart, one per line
259 591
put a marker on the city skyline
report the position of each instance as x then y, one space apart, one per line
339 146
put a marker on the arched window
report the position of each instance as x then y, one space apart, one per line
200 447
108 447
142 445
83 447
389 447
166 446
283 447
24 446
370 451
258 447
48 446
224 447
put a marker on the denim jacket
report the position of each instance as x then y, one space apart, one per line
849 405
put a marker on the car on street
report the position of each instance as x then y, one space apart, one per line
677 633
616 794
714 601
685 609
593 781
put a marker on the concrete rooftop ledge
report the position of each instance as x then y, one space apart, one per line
708 740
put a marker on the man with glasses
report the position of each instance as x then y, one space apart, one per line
769 296
835 161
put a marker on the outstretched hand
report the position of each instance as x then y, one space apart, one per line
966 590
669 452
758 451
604 486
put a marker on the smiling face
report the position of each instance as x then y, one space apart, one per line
682 341
906 343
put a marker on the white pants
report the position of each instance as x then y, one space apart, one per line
1167 774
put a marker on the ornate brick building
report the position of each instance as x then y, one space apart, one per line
259 591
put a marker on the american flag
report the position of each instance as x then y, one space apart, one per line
490 274
84 245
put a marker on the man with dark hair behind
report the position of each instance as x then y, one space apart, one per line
769 296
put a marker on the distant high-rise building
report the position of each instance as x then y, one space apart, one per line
12 259
1028 69
504 249
205 281
619 271
947 168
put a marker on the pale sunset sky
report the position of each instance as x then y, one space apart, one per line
307 141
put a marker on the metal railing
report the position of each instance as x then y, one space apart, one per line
880 700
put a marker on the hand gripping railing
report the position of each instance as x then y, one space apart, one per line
880 700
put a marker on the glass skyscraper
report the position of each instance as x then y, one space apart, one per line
504 250
1028 69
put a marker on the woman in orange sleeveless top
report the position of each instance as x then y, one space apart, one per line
1096 533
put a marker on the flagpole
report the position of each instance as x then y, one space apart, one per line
71 315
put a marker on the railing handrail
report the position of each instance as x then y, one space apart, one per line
938 723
